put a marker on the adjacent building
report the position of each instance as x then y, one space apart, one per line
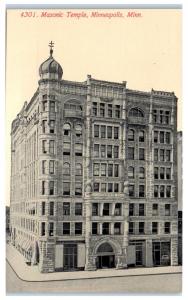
94 175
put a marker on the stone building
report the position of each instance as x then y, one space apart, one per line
94 175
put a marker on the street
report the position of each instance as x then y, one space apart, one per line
167 283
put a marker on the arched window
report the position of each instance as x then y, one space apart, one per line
66 129
136 113
141 136
141 172
78 170
66 169
131 135
131 172
78 130
105 247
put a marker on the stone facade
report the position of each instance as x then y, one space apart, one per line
94 175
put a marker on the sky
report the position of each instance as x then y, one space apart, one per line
145 51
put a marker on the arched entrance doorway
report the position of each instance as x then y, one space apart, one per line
105 256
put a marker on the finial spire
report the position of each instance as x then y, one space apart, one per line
51 45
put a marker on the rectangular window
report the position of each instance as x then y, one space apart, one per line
52 147
168 137
78 188
130 153
131 227
51 229
109 132
116 187
116 133
155 139
95 209
109 151
116 170
162 137
110 170
141 154
66 188
141 227
43 187
43 228
78 209
168 154
95 169
102 109
110 187
154 227
44 126
167 117
141 209
167 209
156 191
96 187
117 228
161 116
103 187
141 191
110 110
168 173
51 166
52 126
94 228
131 209
94 108
161 154
156 173
162 188
131 190
155 209
117 111
51 188
103 169
96 150
44 162
51 208
105 228
43 208
103 151
44 146
106 209
78 228
66 228
141 136
66 208
162 173
96 131
103 131
116 151
44 105
154 116
155 154
168 191
52 106
118 209
167 227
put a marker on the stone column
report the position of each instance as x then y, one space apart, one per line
174 251
101 209
100 228
149 253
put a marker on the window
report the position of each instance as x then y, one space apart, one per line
168 137
117 211
103 151
43 187
51 229
156 191
52 126
131 135
162 173
155 154
51 147
168 191
95 169
51 166
103 131
96 187
66 228
109 151
155 209
162 188
131 172
167 209
155 116
106 209
78 188
168 154
102 109
116 133
154 227
141 136
105 228
78 149
44 105
110 170
131 227
78 209
103 169
162 137
94 228
130 153
109 132
110 110
44 126
116 170
116 187
141 154
116 151
117 228
131 209
155 138
131 190
136 113
141 191
167 227
141 227
156 173
44 146
141 173
43 208
66 208
78 228
141 209
168 173
94 108
66 169
43 229
110 188
161 116
78 170
51 208
117 111
66 129
96 131
51 188
95 209
78 130
96 150
66 188
167 117
103 187
44 162
52 106
161 154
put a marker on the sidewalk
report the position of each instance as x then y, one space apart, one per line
31 273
